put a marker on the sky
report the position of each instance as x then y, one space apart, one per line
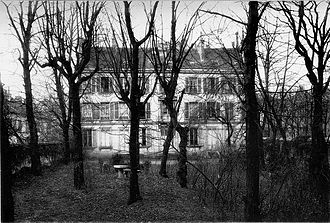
11 71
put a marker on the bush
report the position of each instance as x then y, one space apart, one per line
50 154
220 183
287 195
21 157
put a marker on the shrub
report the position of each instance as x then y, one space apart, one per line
117 159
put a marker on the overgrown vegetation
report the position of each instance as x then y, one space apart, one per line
50 153
285 188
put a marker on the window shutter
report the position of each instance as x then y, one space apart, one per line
148 138
116 110
205 85
217 85
84 87
111 111
218 109
94 138
148 112
98 84
201 110
111 90
187 86
96 111
199 85
186 110
199 136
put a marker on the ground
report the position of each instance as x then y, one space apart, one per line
51 197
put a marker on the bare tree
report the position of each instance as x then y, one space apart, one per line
168 59
23 27
309 23
68 37
253 130
60 108
251 108
275 59
124 58
65 115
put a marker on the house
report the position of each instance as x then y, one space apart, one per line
47 125
210 106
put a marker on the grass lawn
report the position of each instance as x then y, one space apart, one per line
52 197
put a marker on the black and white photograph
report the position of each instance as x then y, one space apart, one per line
165 111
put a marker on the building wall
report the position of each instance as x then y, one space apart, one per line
106 119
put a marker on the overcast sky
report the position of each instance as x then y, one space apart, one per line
10 69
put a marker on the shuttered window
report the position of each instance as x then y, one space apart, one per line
193 136
193 85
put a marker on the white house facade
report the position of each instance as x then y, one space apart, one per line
210 108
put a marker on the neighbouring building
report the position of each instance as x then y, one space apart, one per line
210 107
47 125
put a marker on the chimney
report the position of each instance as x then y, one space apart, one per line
201 49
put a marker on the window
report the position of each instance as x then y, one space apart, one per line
87 137
229 110
90 111
144 83
193 110
104 110
143 139
96 111
145 111
163 130
105 137
125 83
148 111
86 87
193 85
114 113
105 85
210 109
228 83
163 109
193 136
211 85
95 85
119 110
213 109
123 111
87 112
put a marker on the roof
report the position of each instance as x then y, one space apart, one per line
203 59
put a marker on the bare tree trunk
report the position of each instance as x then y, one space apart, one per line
78 158
23 31
7 201
33 143
134 191
182 171
134 146
252 208
66 140
65 121
166 147
319 163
